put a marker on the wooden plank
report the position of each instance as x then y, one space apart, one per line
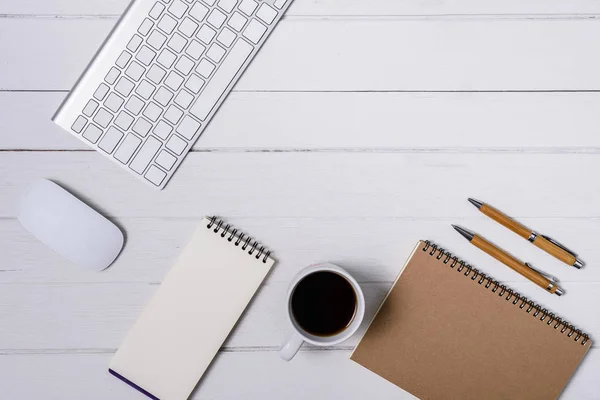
321 184
448 54
252 375
372 249
331 7
98 316
462 121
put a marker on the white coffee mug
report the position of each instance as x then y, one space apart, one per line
299 335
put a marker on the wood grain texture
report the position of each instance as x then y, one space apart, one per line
98 316
360 128
428 55
506 221
369 184
555 251
515 264
312 374
467 122
372 249
333 7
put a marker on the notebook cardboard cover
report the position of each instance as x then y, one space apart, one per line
441 335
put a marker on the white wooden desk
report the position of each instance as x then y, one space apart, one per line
360 128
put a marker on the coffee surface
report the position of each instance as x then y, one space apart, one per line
324 303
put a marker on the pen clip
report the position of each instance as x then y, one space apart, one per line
558 244
545 275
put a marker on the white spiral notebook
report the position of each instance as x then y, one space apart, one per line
180 331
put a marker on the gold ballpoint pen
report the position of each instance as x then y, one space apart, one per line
546 282
545 243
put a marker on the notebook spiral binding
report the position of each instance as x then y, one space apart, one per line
510 294
242 239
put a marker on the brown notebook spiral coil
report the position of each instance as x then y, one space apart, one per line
552 319
241 239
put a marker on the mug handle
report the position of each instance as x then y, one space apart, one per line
291 347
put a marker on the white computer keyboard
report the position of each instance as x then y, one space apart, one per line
161 75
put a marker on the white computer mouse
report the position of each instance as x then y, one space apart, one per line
68 226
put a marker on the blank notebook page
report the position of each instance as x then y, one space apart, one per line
190 316
441 334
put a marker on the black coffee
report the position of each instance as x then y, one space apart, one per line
324 303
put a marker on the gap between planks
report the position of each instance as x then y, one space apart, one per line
343 17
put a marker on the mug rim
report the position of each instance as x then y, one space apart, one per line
356 321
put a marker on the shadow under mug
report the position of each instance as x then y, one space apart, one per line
299 335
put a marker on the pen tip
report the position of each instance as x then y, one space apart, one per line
578 263
476 203
466 234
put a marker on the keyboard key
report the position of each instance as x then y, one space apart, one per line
173 114
163 96
188 27
124 120
226 37
110 140
123 59
178 8
205 68
145 27
215 88
194 84
248 6
155 175
79 124
215 52
184 65
90 108
184 99
237 21
113 102
198 11
135 71
176 145
157 40
195 50
152 112
209 2
134 43
162 130
167 24
266 14
166 160
254 31
145 89
188 127
101 92
174 80
145 55
142 127
156 74
206 34
103 118
177 43
227 5
145 155
280 3
127 148
124 86
166 58
112 76
134 105
216 18
92 133
157 10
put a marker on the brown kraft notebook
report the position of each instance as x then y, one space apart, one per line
449 331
